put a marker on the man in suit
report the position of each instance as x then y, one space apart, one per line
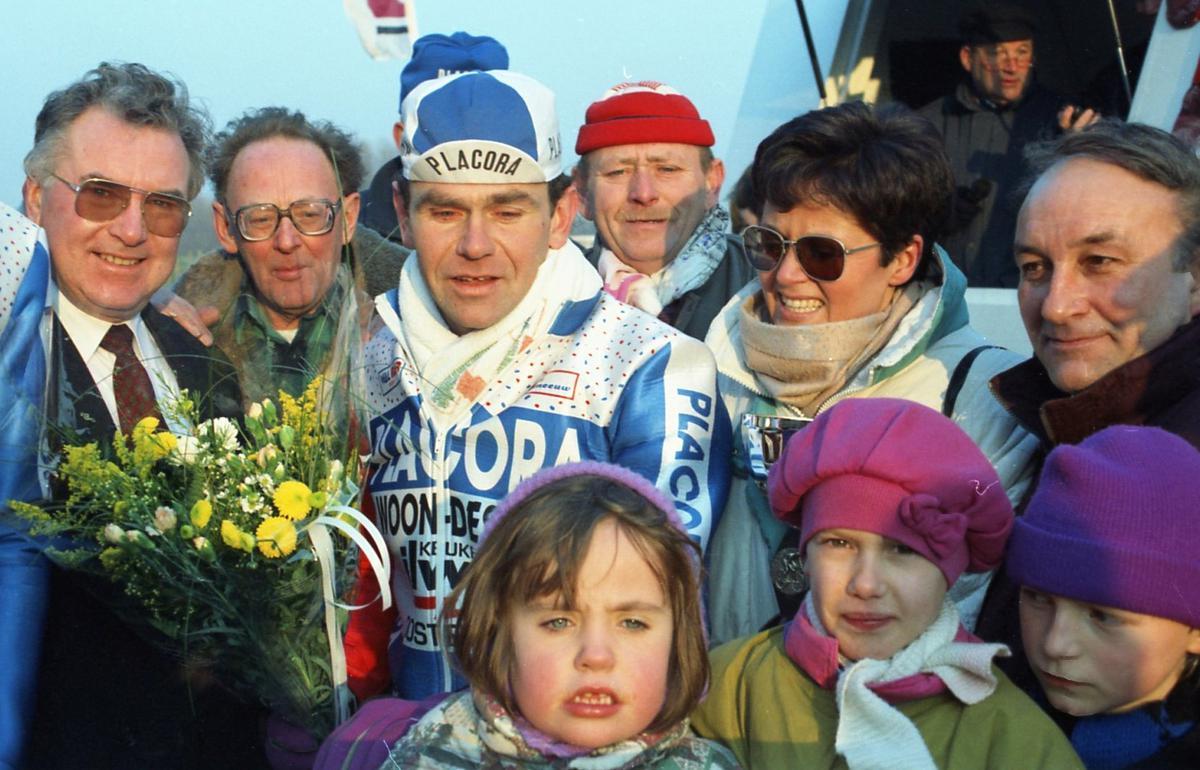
109 179
117 157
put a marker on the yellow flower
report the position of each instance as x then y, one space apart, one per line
150 447
291 498
31 512
87 473
201 513
234 537
276 537
293 412
166 441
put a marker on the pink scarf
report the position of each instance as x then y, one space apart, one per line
817 655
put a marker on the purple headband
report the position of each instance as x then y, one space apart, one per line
609 471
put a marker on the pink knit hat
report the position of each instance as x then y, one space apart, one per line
898 469
636 113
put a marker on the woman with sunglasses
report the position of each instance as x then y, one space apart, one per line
853 299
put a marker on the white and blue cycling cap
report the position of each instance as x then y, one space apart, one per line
495 127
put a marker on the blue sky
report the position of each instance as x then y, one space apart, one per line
742 63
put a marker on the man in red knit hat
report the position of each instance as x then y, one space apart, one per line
648 179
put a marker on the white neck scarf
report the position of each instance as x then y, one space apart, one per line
874 735
456 369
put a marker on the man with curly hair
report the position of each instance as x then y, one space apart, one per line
284 288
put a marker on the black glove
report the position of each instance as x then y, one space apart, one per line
968 202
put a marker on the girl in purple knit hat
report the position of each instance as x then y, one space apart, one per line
1110 596
580 631
893 502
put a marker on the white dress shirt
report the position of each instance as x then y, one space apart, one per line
87 331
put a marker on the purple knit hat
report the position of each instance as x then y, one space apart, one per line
609 471
1115 521
898 469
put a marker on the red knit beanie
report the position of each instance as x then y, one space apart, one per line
898 469
642 112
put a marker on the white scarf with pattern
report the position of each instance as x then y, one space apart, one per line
690 269
872 734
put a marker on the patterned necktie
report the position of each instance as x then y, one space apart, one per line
131 384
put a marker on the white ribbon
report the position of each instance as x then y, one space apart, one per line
381 564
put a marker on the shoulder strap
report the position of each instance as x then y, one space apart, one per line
959 376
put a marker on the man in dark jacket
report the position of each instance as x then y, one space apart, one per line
1108 250
986 122
648 179
117 155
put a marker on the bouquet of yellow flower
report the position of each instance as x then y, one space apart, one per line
221 539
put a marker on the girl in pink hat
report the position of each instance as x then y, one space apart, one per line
893 502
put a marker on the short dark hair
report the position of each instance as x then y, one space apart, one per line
270 122
132 92
742 197
555 187
537 550
1144 151
885 166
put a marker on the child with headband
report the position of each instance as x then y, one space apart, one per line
893 502
580 632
